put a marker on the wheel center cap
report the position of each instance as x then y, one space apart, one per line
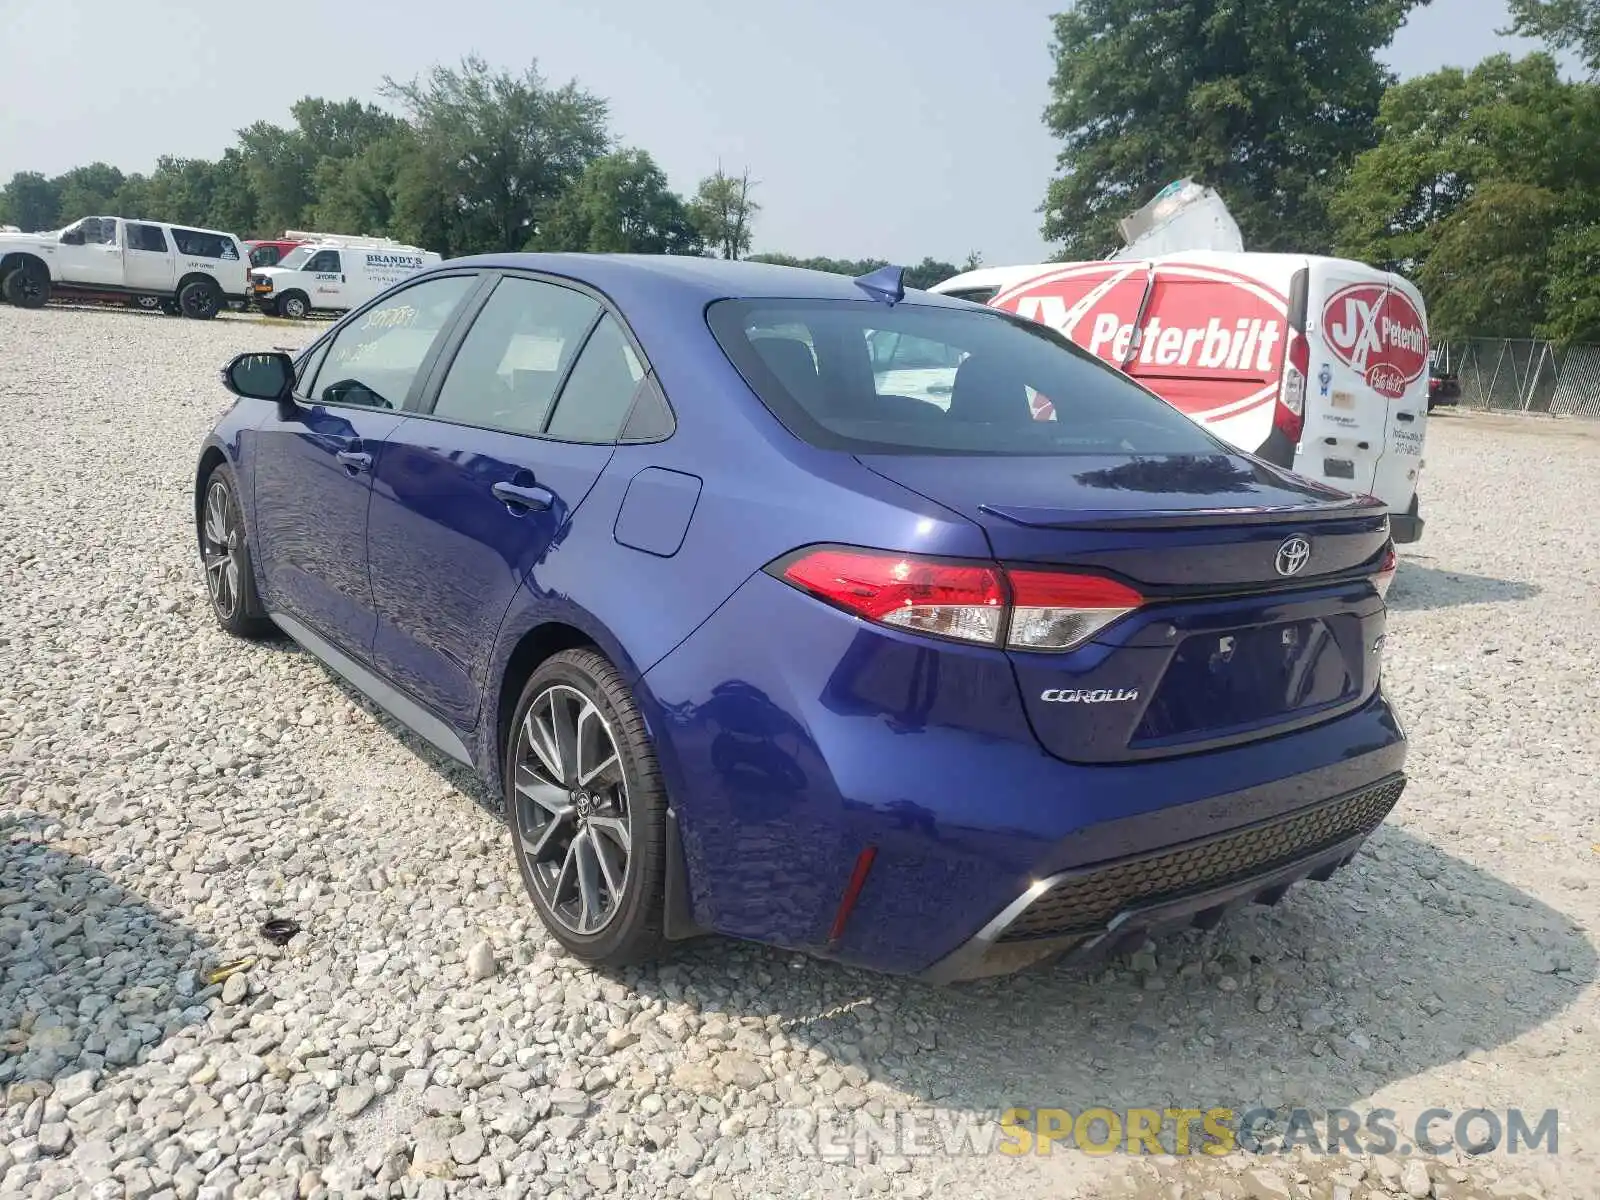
584 804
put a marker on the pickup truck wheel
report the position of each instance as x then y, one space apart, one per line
293 305
199 300
26 287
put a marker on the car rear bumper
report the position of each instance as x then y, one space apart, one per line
831 739
1092 911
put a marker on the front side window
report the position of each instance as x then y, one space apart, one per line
506 373
374 360
919 379
598 394
324 262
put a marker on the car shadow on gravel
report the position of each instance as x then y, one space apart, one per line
91 976
1418 587
1405 961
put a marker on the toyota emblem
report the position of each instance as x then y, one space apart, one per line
1293 555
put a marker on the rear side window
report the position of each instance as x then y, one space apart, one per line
508 368
197 243
373 361
599 393
146 237
916 379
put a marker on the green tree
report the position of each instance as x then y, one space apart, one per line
90 190
279 164
498 149
621 204
31 202
1267 102
357 195
1477 178
724 213
1573 293
1564 24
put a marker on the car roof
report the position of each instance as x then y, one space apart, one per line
645 278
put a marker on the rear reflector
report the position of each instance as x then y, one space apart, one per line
1028 609
852 891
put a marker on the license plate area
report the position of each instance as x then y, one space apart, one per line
1243 677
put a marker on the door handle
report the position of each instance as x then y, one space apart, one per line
1405 416
531 497
354 461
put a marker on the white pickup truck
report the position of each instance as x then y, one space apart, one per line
150 264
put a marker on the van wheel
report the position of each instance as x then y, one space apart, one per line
199 300
148 303
26 287
294 306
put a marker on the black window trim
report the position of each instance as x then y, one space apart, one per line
447 351
409 407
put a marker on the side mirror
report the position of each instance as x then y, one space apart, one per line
260 376
72 237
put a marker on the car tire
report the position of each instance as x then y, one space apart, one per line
294 306
199 300
225 558
26 287
575 826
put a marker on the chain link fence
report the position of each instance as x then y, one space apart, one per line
1523 375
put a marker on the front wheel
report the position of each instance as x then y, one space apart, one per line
587 810
294 306
225 554
26 287
199 300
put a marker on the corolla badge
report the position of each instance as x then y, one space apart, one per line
1293 555
1096 696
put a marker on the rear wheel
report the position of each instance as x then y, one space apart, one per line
224 553
199 300
587 810
26 287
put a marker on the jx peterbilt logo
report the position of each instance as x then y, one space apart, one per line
1293 555
1095 696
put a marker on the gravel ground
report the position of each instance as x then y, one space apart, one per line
164 789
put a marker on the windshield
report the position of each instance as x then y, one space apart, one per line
296 258
868 378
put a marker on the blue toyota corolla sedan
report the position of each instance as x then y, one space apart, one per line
776 605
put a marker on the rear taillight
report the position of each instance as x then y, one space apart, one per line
1289 413
972 602
1053 610
1386 569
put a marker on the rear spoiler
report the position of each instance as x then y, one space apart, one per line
1189 518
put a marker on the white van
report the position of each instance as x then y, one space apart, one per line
151 264
333 273
1315 364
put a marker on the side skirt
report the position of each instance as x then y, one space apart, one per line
394 702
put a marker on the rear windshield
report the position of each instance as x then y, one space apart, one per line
914 379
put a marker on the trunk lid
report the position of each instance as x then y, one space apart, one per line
1239 637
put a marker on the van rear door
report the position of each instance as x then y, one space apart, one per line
1367 403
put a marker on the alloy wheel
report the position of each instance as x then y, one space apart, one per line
222 541
574 830
199 302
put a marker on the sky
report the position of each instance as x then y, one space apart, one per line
886 128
